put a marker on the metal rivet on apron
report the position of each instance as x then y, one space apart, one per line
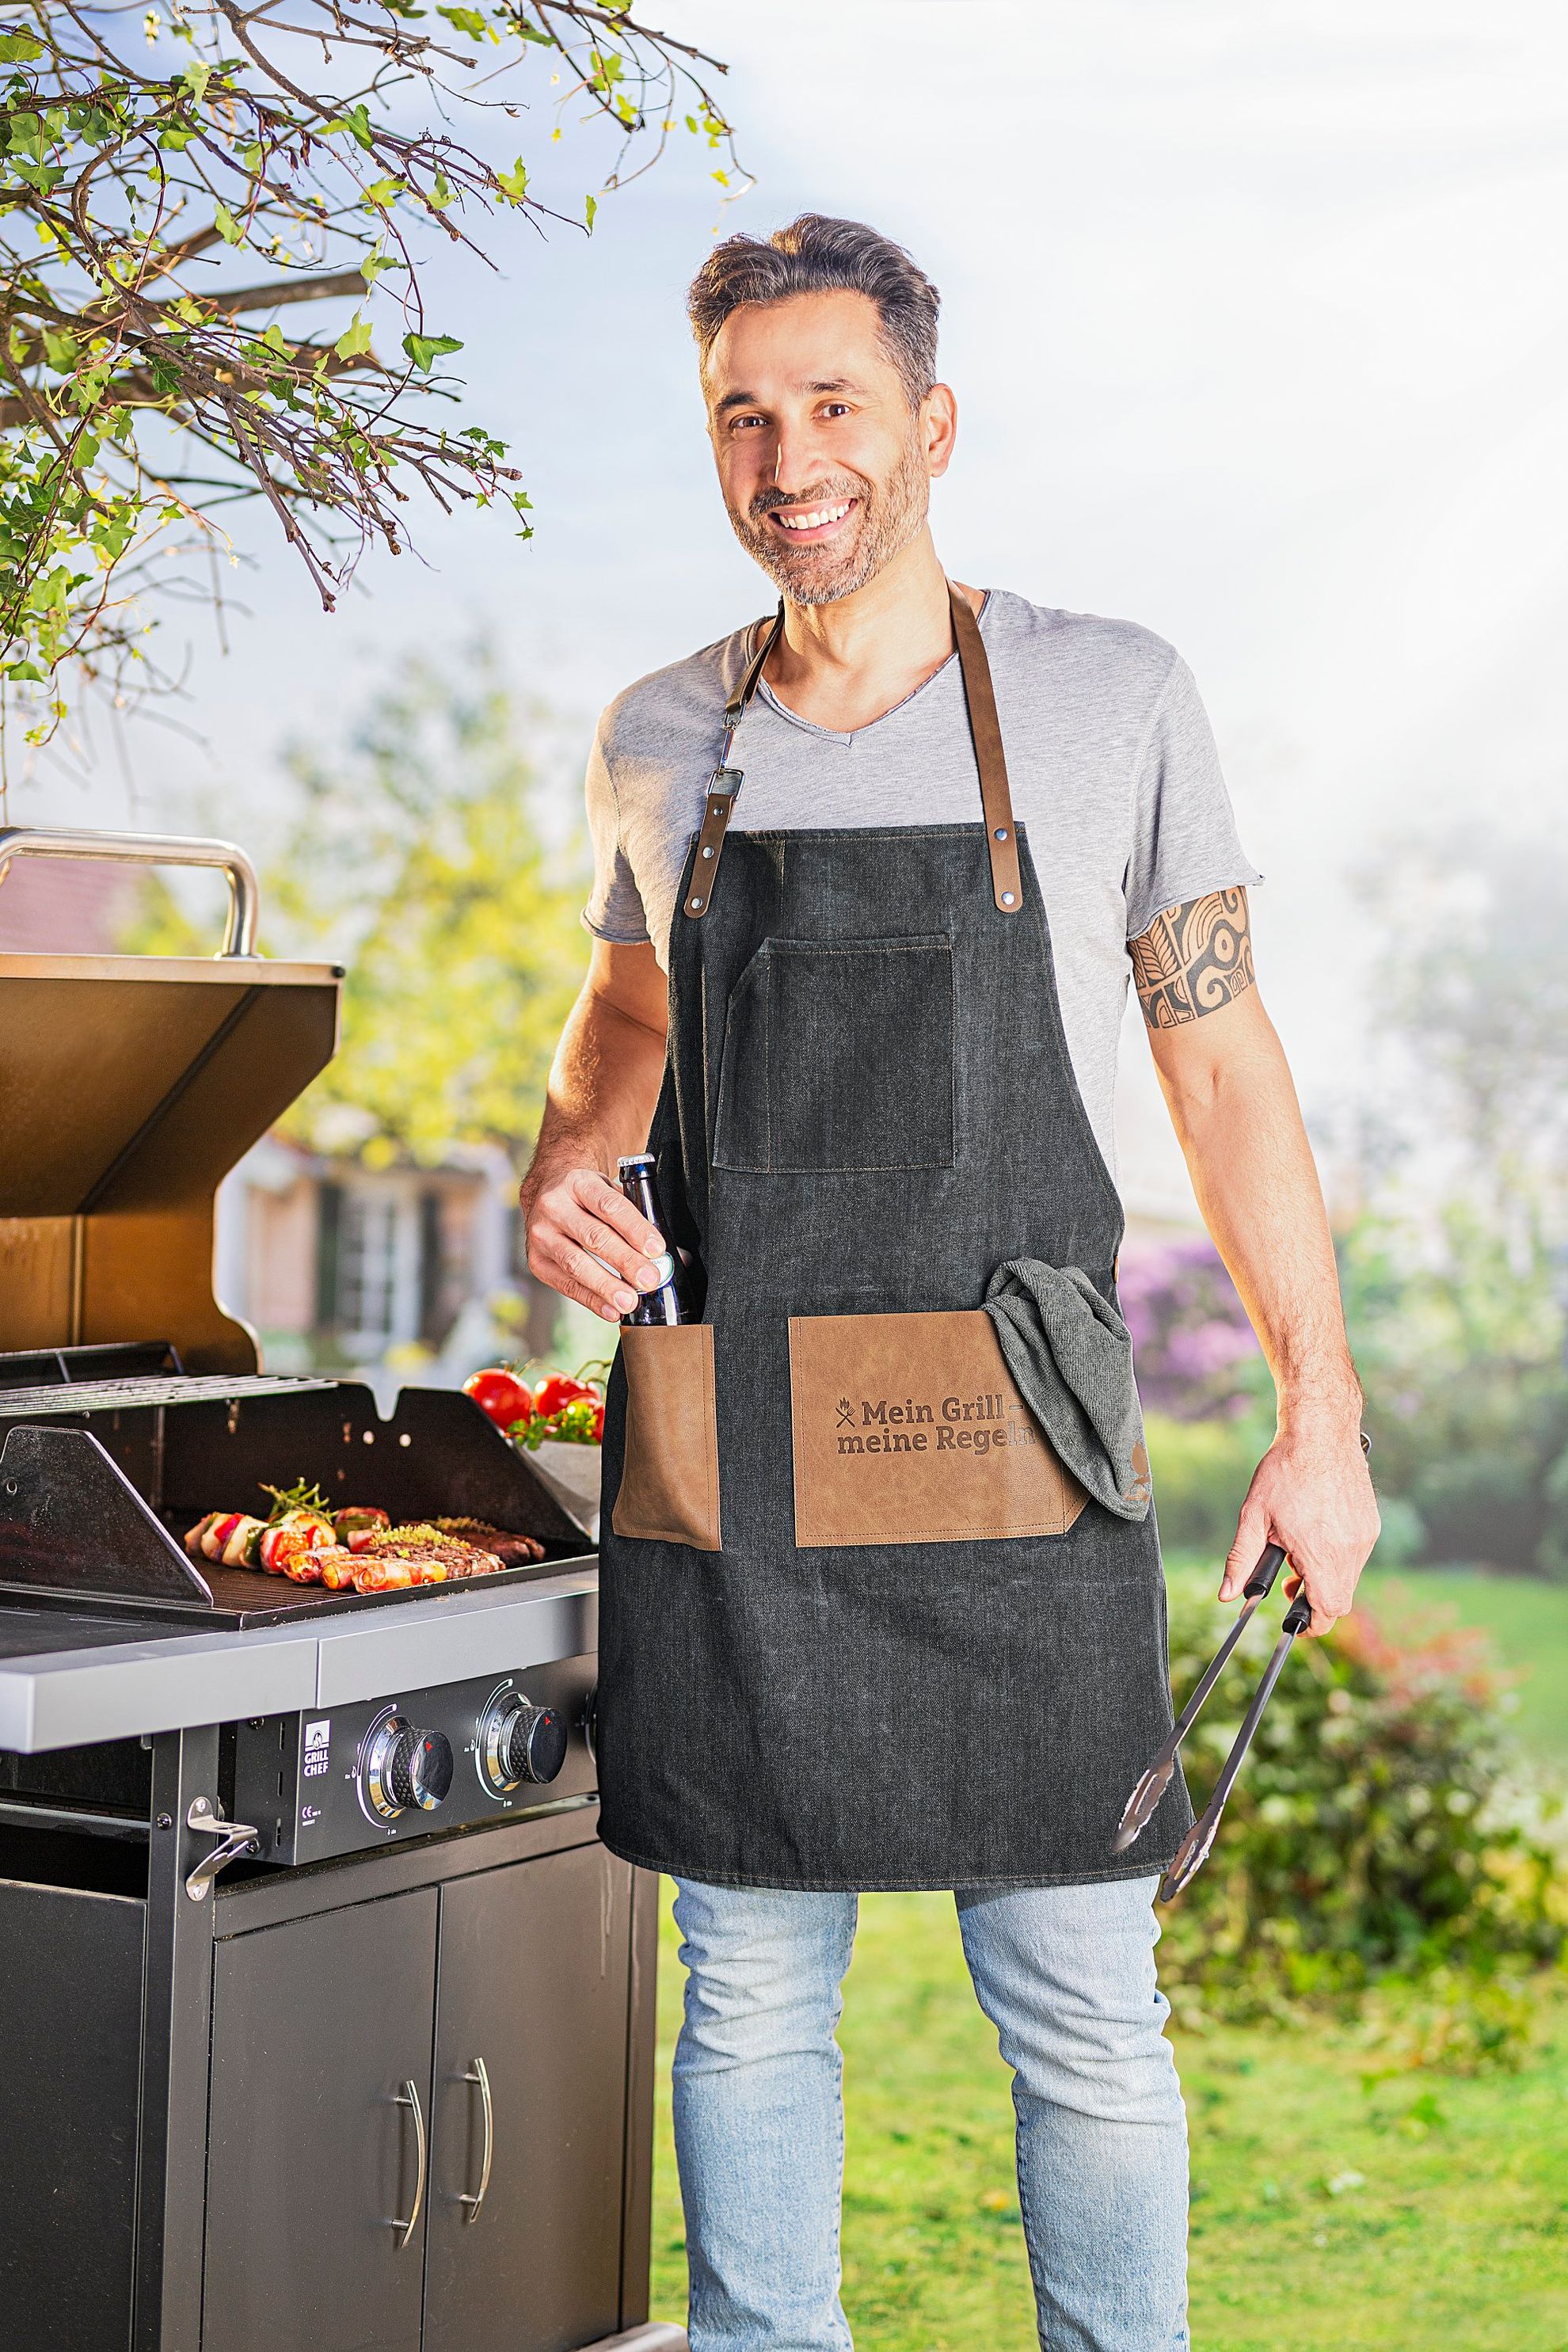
1006 897
695 904
708 853
1001 833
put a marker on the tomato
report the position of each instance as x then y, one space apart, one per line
499 1395
559 1389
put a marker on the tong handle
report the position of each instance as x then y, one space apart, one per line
1299 1616
1271 1560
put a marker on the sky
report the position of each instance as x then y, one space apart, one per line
1259 325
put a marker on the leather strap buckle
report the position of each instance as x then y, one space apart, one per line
990 758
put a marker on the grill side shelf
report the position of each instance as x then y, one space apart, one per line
71 1523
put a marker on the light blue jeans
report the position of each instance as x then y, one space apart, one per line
1065 1974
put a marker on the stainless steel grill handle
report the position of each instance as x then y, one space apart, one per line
409 2098
478 2074
150 849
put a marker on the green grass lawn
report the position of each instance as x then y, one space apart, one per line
1425 2213
1527 1621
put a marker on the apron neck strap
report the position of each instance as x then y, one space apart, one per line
749 679
726 781
996 794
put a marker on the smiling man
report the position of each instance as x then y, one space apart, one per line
881 1595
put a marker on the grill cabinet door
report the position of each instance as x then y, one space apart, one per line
70 2037
316 2028
534 1980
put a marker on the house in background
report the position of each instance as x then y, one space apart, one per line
409 1270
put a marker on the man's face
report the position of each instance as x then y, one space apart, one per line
826 468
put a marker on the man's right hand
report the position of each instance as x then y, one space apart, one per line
574 1219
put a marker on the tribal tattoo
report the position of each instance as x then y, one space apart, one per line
1192 959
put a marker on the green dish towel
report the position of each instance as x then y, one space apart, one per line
1072 1356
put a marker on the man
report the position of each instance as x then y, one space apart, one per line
881 1593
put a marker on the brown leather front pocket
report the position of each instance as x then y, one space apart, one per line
669 1483
908 1428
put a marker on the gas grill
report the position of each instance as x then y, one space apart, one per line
328 2020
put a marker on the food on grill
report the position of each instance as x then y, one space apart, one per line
512 1551
284 1546
334 1565
230 1538
428 1557
358 1546
357 1523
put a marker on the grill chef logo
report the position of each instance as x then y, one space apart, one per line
979 1424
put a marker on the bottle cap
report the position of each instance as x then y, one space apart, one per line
632 1159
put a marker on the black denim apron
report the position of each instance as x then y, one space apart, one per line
868 1106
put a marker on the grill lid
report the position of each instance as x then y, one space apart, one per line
130 1085
136 1082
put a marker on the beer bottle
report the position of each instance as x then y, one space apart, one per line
671 1302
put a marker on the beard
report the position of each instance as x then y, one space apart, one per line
887 516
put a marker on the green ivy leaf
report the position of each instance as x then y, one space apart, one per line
466 20
513 184
354 339
19 49
196 77
426 350
383 192
227 227
590 207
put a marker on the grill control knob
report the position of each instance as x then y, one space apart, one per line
420 1769
405 1766
519 1741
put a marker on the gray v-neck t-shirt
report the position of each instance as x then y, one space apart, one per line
1112 764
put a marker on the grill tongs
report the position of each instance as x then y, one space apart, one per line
1194 1850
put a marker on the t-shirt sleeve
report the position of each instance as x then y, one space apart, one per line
615 909
1184 841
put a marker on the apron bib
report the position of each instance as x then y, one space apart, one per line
860 1627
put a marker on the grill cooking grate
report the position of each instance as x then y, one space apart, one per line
136 1392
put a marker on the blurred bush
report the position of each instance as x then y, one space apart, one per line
1202 1470
1367 1854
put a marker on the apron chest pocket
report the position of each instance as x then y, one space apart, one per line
839 1059
669 1479
908 1428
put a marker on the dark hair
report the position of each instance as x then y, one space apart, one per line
818 256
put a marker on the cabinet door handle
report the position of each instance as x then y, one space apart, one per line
478 2074
409 2098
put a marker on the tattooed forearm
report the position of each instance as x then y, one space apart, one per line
1192 959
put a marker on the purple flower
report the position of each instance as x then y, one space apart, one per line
1190 1332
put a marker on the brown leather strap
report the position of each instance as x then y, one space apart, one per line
726 781
996 795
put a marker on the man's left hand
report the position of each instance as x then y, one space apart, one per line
1311 1493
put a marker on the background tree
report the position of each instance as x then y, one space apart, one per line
434 861
430 856
152 158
